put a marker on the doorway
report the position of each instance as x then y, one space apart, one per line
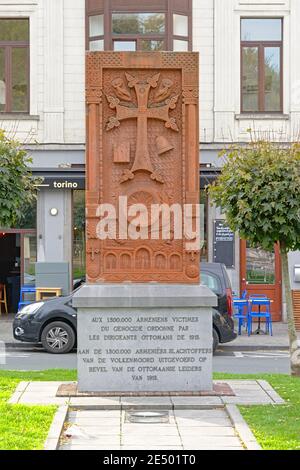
261 274
17 263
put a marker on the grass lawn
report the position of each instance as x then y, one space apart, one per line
26 427
276 427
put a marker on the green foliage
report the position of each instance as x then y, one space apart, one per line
17 187
259 190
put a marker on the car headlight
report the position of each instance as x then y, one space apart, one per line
30 309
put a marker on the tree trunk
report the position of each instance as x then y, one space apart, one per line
294 349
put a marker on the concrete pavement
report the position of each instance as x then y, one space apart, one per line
133 423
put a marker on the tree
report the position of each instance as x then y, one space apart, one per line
259 191
17 187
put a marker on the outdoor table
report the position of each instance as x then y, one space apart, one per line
257 301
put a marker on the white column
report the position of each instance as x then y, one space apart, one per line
54 71
225 69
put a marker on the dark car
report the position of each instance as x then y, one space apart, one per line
215 276
54 322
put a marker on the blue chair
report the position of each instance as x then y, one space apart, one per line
241 306
26 290
260 301
244 294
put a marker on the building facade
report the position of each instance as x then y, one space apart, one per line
249 79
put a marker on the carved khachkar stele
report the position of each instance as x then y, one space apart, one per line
142 144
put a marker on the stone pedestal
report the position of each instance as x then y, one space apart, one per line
144 337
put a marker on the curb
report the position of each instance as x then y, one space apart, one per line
22 345
52 441
242 428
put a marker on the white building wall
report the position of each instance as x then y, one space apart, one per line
74 71
229 124
203 42
57 75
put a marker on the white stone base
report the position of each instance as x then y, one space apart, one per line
145 347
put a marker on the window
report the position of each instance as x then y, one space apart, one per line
96 33
180 33
261 65
138 25
14 65
211 281
146 31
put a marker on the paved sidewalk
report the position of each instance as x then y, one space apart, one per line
277 341
190 422
185 430
246 392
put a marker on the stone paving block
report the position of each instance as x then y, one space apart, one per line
96 402
96 431
42 393
102 441
233 382
271 392
89 447
195 402
248 401
195 414
96 423
208 431
150 441
36 399
203 422
43 387
146 403
150 426
220 441
21 387
245 386
276 398
152 432
94 414
265 385
112 423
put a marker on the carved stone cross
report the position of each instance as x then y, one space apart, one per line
142 113
93 252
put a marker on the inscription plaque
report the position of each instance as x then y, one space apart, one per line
138 350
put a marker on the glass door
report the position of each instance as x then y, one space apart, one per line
261 274
29 258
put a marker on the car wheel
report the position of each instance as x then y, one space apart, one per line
215 340
58 338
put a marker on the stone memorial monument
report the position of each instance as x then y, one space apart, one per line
144 320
